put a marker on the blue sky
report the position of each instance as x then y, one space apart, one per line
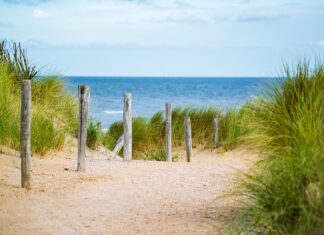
164 37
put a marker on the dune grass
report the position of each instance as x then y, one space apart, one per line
286 126
149 133
286 191
94 134
53 108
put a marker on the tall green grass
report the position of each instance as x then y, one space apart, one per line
286 191
53 108
149 133
94 134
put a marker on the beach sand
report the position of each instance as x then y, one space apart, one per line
116 197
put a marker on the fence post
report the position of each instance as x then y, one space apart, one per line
127 116
188 139
25 148
168 131
119 145
216 131
84 96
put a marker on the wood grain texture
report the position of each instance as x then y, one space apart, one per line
216 140
168 131
84 96
127 120
25 147
188 137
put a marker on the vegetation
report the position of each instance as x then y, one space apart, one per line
149 134
94 133
286 191
54 110
286 126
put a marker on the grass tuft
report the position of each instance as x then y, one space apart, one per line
53 108
287 190
149 133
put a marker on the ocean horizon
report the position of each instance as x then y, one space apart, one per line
151 93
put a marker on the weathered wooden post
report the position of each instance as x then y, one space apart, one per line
187 124
127 116
119 145
84 96
25 148
168 131
216 131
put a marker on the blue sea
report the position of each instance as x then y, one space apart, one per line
151 93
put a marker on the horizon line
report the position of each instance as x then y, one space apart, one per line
159 76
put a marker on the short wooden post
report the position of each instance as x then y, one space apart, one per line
168 131
187 124
84 96
25 148
216 143
127 116
119 144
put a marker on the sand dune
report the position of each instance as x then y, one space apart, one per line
116 197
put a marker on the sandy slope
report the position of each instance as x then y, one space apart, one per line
114 197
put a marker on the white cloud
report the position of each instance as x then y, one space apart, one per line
165 17
321 43
39 13
261 16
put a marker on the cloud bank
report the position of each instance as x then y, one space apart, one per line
26 2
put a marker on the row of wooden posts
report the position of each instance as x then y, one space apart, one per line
124 141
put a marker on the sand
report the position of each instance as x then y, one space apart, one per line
116 197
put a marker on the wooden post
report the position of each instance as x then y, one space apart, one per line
84 96
25 148
188 139
168 131
216 131
127 116
119 144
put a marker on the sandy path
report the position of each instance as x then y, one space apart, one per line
114 197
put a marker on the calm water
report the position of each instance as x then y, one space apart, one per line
150 94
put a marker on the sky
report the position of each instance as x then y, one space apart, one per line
164 37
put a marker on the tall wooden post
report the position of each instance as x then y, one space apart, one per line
25 148
127 116
84 95
216 141
168 131
188 139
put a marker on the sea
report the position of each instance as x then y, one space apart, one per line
151 93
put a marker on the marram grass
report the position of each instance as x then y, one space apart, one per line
286 191
149 133
53 108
